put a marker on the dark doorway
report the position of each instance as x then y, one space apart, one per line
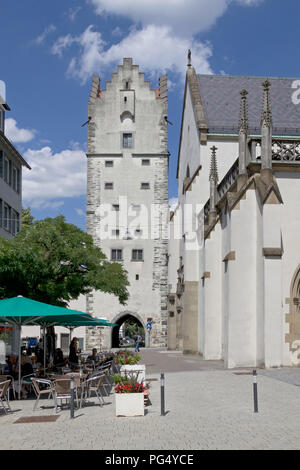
131 328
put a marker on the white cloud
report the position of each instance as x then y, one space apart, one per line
73 12
80 212
53 176
159 36
155 48
15 134
41 38
186 17
61 44
117 31
173 202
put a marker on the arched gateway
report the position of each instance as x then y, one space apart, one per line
293 338
119 320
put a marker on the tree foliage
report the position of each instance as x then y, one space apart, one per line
27 218
54 262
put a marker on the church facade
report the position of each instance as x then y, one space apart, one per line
234 263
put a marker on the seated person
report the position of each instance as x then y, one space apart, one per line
58 359
94 356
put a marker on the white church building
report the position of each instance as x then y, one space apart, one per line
234 254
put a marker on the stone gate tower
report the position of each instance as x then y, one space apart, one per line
127 197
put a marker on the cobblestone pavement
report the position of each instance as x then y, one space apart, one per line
207 406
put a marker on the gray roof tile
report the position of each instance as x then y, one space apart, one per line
220 95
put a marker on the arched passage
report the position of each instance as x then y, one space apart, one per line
133 324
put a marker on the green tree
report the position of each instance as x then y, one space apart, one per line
27 218
54 262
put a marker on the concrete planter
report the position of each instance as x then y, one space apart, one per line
128 369
130 404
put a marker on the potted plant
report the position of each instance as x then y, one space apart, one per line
129 395
128 362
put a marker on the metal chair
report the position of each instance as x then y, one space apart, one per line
12 387
63 389
4 387
49 390
93 384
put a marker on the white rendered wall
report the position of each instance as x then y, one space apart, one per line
242 286
212 324
289 186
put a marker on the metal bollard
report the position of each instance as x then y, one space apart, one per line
72 397
255 392
162 393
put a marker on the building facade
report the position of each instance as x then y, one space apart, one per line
11 164
237 293
127 198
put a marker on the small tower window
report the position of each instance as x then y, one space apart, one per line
145 185
137 255
127 141
116 255
145 162
127 85
109 163
109 185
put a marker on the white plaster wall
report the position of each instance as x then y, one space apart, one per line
212 349
289 186
273 315
242 286
173 251
260 331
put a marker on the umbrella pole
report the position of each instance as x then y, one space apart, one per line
45 347
19 362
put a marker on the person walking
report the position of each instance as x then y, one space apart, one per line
137 343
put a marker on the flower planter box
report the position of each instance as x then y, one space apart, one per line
141 368
130 404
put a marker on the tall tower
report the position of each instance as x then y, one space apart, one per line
127 197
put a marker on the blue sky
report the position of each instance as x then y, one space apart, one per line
51 49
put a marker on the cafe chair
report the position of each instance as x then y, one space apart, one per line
4 387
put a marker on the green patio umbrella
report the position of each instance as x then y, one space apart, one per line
20 311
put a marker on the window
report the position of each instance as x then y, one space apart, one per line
138 231
15 222
1 120
10 167
14 178
7 216
145 185
109 163
137 277
145 162
6 170
116 255
127 141
115 233
137 255
116 207
18 189
109 186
